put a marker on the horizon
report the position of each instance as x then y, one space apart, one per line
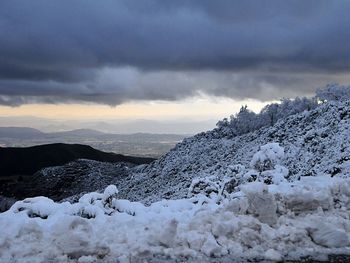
110 126
204 114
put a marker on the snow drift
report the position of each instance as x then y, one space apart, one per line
267 222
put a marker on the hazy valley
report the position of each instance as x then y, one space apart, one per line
138 144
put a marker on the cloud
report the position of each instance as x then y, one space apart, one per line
114 51
114 86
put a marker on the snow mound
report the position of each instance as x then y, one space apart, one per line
265 222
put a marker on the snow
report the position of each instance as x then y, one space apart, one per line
315 142
111 190
273 255
271 222
269 154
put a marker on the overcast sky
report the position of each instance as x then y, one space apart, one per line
117 52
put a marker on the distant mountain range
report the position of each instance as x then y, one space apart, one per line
31 133
20 132
137 144
119 126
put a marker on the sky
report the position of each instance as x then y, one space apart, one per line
164 59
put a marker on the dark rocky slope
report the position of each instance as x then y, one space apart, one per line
28 160
59 170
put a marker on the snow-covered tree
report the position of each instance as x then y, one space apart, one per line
289 107
333 92
268 115
243 122
247 121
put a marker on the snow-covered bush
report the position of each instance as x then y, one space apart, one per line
108 195
266 165
89 205
266 168
274 176
207 186
269 155
218 186
35 207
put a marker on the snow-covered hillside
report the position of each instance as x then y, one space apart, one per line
279 192
316 142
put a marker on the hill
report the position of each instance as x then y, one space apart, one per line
315 142
77 132
75 177
28 160
20 133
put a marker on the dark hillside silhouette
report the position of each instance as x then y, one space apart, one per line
28 160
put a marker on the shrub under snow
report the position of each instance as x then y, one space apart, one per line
268 157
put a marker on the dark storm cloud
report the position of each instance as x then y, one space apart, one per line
58 51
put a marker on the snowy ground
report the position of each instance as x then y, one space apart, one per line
275 221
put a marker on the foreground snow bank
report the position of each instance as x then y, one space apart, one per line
306 217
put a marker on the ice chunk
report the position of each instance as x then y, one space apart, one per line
273 255
329 236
